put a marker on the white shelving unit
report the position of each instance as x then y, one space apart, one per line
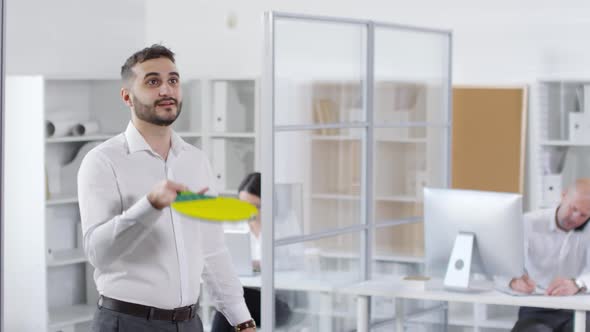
65 278
560 139
71 292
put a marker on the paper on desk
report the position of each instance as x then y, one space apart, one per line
507 290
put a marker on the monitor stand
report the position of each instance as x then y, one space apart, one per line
459 268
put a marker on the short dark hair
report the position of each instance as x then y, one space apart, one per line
251 184
153 52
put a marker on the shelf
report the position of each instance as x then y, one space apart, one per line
335 138
61 200
66 257
189 135
70 315
230 193
461 319
505 321
394 198
338 138
402 140
398 198
564 143
336 197
383 258
464 319
396 258
233 135
75 139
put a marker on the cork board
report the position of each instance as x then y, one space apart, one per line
489 137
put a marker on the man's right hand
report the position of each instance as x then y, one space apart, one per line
523 284
164 193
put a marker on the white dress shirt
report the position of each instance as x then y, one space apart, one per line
551 252
149 256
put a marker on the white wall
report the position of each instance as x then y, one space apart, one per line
494 41
72 38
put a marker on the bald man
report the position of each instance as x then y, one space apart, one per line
557 254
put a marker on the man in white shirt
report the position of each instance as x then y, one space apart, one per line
557 254
148 259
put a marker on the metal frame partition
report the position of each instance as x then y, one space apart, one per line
2 76
269 129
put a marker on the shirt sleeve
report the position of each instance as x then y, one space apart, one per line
108 231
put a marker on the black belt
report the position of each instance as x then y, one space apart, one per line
143 311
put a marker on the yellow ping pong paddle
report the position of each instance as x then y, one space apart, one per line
212 208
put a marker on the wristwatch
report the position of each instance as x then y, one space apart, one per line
580 284
245 325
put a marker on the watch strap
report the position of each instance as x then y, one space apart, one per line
245 325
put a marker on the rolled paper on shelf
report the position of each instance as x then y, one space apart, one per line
85 128
49 128
59 128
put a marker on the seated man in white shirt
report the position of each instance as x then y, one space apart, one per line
148 259
557 254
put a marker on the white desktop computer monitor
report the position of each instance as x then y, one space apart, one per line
468 232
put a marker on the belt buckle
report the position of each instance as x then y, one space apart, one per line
193 311
151 313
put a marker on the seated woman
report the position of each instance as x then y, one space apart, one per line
249 191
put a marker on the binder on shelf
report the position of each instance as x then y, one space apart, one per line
421 183
218 149
586 99
579 127
324 112
552 188
220 106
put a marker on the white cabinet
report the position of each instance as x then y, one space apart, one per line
51 124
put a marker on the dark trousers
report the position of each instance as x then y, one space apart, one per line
106 320
546 320
252 297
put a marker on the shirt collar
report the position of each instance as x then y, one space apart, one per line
553 224
136 142
178 144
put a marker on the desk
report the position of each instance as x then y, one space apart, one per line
402 289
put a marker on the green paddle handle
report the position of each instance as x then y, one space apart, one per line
184 196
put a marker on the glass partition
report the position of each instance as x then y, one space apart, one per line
356 115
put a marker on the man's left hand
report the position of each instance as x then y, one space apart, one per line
562 287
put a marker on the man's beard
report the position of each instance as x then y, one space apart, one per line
149 114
